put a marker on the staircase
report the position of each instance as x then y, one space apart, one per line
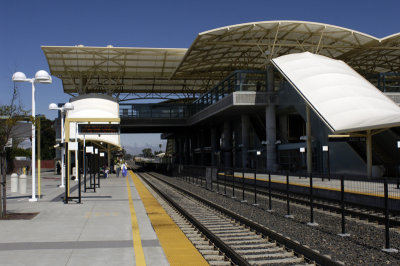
259 126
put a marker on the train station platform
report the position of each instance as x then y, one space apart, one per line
120 224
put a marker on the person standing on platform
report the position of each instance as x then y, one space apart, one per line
106 171
117 168
124 169
58 166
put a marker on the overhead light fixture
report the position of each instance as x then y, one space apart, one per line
68 106
19 77
40 77
53 106
43 77
64 109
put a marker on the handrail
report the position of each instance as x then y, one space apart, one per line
239 80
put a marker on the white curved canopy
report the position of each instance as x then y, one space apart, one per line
343 99
213 55
96 109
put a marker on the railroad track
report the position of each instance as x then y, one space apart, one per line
242 241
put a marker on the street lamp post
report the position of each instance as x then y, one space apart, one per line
304 162
326 148
40 77
63 110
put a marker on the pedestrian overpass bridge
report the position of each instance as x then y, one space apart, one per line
239 91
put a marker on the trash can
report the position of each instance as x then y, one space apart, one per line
22 184
14 182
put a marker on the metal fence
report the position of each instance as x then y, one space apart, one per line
380 195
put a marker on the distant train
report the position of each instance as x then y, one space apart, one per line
144 160
158 159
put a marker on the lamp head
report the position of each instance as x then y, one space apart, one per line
42 77
68 106
53 106
19 77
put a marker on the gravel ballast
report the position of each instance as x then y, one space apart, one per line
363 247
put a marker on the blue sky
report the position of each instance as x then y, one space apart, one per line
26 25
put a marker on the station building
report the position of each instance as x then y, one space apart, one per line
226 101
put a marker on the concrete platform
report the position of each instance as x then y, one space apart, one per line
100 231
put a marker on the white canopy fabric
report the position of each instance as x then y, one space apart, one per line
342 98
94 107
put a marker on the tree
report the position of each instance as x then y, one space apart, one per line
147 153
9 116
47 139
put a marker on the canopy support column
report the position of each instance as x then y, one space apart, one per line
76 153
308 132
227 144
270 122
109 155
201 146
213 146
369 153
245 140
181 150
186 148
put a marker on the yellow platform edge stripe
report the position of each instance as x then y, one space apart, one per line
177 247
137 240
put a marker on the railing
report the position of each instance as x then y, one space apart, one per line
154 110
389 82
241 80
247 185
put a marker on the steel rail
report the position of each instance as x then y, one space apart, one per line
299 249
228 251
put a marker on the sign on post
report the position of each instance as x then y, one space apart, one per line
104 129
89 149
73 146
